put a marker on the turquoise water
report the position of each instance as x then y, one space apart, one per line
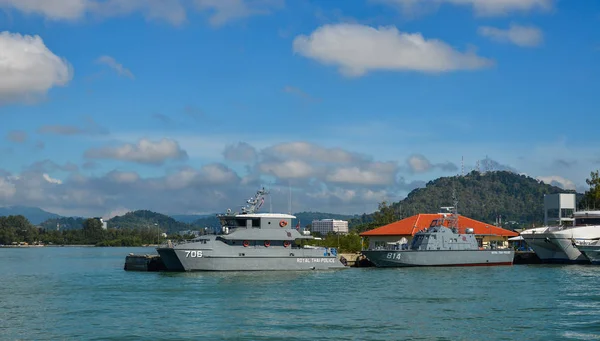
84 294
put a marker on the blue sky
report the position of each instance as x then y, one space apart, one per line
186 106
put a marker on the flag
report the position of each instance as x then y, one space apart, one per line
262 201
298 225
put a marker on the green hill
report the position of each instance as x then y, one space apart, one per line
518 199
34 215
148 219
189 218
63 223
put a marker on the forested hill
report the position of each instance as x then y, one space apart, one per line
144 218
481 196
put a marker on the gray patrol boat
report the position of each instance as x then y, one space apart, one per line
250 241
440 245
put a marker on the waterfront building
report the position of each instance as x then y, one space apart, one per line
558 209
326 226
402 231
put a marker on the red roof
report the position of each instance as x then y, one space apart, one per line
412 225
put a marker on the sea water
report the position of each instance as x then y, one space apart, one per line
83 293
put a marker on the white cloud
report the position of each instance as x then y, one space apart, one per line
291 169
377 173
113 64
171 11
240 152
481 7
524 36
123 177
358 49
51 180
223 11
7 188
418 163
559 181
144 151
116 212
309 151
51 9
28 69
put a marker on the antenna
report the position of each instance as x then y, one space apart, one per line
487 164
290 198
462 166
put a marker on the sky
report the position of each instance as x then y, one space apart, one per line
190 106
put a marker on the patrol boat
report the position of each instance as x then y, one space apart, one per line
440 244
250 241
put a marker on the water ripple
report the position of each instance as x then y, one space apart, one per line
84 294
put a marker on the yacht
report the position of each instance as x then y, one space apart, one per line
558 244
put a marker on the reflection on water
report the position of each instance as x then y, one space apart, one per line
83 293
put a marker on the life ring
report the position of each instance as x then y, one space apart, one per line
283 223
286 243
267 243
245 243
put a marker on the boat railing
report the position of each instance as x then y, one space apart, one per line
585 242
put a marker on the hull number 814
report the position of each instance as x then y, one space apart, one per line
193 254
392 255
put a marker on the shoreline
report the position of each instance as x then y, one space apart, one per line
83 245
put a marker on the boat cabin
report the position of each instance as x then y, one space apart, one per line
257 220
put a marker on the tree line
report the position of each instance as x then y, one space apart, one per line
17 229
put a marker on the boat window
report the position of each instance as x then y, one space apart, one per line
566 212
228 222
256 222
587 221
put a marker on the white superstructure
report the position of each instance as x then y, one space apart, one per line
325 226
559 243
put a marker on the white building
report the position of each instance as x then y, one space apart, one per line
559 208
325 226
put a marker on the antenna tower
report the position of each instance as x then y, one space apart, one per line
462 166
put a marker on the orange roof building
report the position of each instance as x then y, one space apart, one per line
406 228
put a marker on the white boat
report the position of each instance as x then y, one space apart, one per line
558 244
590 249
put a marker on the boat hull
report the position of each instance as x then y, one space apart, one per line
406 258
591 252
294 259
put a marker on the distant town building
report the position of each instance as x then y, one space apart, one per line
559 208
325 226
104 223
